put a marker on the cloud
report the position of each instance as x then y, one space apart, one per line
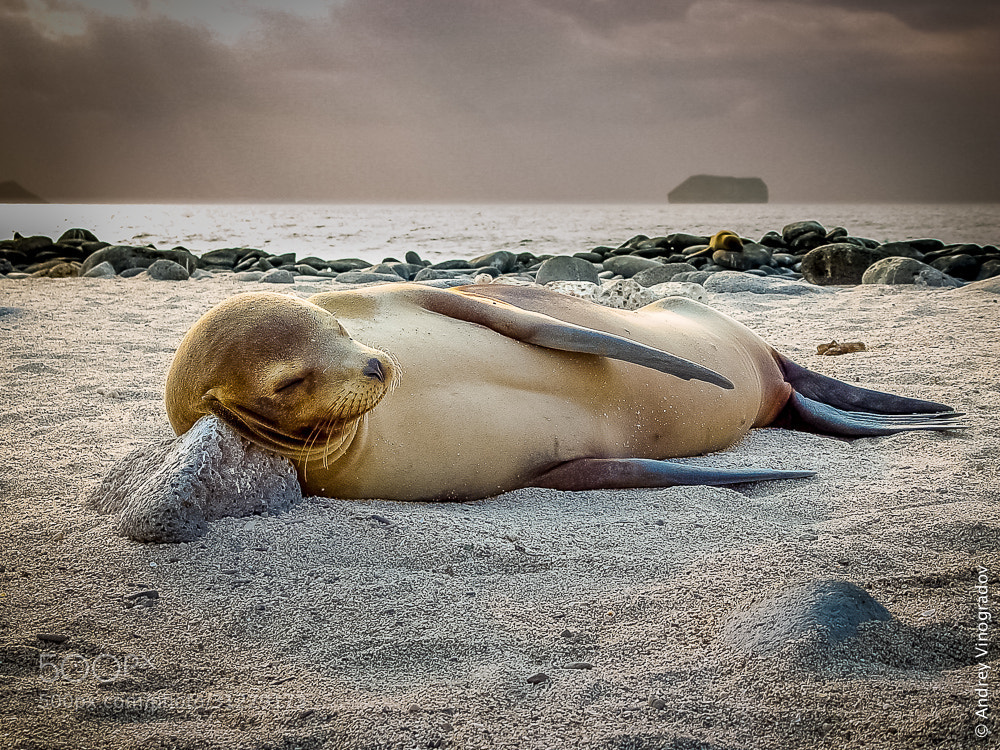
477 100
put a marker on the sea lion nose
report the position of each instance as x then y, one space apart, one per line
373 369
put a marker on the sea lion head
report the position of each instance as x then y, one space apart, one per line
280 371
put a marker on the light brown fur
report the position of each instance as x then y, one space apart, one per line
475 413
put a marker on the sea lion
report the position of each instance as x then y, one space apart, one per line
408 392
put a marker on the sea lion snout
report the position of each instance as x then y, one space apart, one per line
373 369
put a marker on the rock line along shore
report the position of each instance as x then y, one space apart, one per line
803 251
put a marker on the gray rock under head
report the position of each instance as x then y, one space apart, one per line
827 612
169 491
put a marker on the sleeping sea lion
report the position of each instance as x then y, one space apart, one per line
409 392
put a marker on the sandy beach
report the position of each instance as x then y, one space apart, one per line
382 625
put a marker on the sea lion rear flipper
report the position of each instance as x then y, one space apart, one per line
625 473
545 331
831 406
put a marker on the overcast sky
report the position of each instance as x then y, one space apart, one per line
499 100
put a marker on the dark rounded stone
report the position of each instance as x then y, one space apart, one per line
413 258
318 263
434 274
959 266
452 265
6 266
57 269
736 261
592 257
364 277
900 250
285 259
504 260
662 273
633 242
223 258
958 249
628 265
78 234
792 232
128 273
989 269
681 240
566 268
128 256
785 260
263 264
836 234
343 265
388 268
774 240
839 263
246 264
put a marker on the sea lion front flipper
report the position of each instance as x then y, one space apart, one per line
545 331
626 473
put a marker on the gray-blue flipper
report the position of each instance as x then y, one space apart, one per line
833 407
548 332
625 473
834 421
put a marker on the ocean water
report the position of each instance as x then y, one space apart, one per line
439 232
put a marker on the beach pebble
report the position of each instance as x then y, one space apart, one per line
578 665
538 679
838 264
277 276
249 275
167 270
348 264
692 277
959 266
628 266
503 260
201 273
732 281
906 271
169 491
101 271
566 268
364 277
660 274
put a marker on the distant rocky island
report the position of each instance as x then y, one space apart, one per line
706 188
13 192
